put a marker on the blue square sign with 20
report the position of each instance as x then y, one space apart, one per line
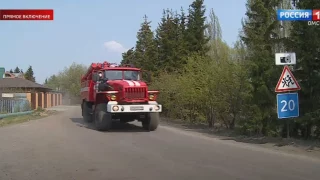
287 105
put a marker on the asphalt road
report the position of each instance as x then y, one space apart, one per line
61 147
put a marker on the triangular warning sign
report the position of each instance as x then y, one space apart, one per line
287 81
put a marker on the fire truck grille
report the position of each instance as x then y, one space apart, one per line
135 93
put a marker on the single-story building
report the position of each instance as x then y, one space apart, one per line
38 95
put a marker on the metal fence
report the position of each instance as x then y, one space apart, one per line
14 105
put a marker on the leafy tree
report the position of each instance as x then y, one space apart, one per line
182 38
260 38
211 88
164 44
305 42
283 30
197 41
230 86
183 22
170 42
145 50
68 80
29 75
128 57
11 71
54 82
213 32
17 70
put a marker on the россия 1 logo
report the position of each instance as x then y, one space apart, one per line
312 16
294 15
316 15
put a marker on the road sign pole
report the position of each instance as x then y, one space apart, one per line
288 128
287 101
287 87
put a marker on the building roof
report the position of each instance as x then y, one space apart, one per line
20 83
14 75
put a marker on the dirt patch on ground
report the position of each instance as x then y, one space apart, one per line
305 147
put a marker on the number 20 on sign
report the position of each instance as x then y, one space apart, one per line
287 105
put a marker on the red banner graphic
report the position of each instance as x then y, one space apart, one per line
26 14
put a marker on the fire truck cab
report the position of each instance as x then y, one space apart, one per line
111 92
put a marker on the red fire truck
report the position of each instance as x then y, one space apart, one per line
113 92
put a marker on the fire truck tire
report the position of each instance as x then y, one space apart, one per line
87 117
103 119
152 122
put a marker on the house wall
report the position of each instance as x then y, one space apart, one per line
44 100
41 99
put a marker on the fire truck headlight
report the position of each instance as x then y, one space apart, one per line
157 108
113 97
115 108
151 97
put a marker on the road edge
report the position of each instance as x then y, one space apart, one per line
242 145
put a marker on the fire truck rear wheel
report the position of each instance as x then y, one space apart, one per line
151 122
103 119
87 117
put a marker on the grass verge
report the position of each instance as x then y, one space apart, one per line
233 135
38 114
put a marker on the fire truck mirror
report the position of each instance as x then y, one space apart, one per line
95 77
147 76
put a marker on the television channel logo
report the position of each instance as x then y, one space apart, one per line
294 15
316 15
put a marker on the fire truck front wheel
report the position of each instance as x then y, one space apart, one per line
102 118
151 122
86 112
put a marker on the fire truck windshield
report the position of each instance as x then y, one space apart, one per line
117 75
